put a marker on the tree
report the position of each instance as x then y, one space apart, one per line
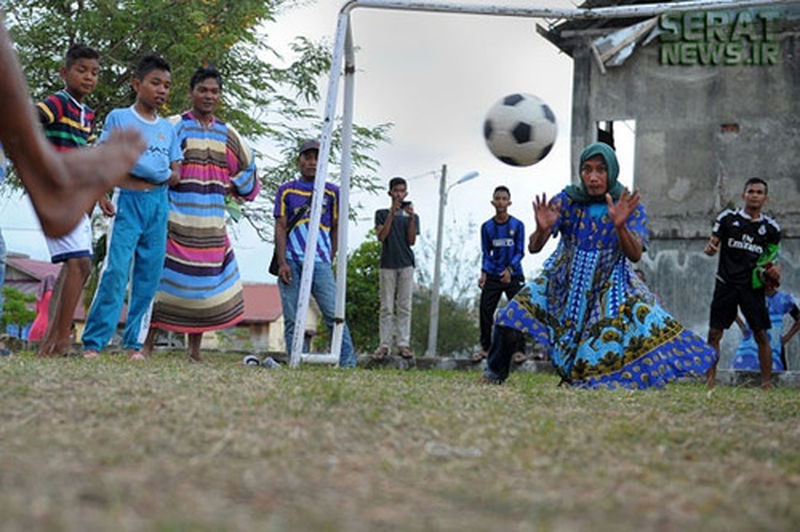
458 320
270 103
16 309
460 266
458 292
458 324
363 296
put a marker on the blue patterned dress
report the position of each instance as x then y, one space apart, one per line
597 319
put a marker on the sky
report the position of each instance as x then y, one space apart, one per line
434 76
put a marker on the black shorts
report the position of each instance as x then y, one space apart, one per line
728 299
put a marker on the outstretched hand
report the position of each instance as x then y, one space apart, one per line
546 213
620 211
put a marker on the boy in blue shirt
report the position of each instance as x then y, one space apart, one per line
138 233
503 246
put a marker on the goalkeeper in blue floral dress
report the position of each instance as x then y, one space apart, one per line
601 325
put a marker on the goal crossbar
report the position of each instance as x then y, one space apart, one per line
343 55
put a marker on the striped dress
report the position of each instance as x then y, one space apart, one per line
200 288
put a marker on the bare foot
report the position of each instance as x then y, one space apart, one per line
68 184
62 186
194 356
711 378
61 348
46 350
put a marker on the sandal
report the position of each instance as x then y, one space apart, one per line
519 357
137 355
381 353
480 355
90 353
405 352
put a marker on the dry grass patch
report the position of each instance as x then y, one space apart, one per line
167 445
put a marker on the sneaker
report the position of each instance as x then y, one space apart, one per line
381 353
90 353
251 360
270 363
405 352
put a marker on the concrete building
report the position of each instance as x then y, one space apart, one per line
713 100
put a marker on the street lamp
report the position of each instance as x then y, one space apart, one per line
433 330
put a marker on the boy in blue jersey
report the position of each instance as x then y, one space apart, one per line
138 234
503 246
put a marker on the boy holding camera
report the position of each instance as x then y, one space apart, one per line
397 228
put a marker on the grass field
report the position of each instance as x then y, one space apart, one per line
166 445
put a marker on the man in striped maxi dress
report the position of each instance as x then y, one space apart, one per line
200 289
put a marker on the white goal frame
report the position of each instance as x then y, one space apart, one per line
343 52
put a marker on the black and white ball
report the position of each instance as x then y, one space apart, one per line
520 129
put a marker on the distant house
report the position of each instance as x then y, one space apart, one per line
25 274
260 330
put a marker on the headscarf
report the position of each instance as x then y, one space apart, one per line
579 194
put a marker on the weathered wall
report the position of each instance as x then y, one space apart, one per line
688 167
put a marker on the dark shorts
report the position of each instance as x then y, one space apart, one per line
728 299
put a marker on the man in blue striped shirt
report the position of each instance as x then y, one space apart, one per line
292 219
503 246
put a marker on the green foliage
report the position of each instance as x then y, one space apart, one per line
267 103
224 33
363 296
460 267
16 309
458 324
458 320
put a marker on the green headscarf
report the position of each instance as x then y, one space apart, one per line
578 193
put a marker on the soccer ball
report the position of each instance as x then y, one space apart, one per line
520 129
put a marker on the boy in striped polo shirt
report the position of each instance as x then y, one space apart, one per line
68 125
60 185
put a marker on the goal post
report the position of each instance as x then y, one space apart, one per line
343 64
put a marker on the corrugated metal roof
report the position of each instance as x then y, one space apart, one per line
262 303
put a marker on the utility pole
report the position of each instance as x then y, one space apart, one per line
433 330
